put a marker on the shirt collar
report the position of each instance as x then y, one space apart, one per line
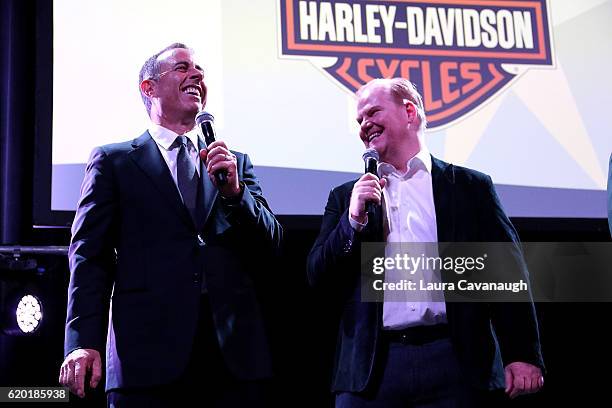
166 137
422 159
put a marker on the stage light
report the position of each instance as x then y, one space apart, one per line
23 314
21 309
29 314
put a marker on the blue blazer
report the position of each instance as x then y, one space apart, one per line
467 209
137 261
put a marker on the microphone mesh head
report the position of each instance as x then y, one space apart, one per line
204 117
371 153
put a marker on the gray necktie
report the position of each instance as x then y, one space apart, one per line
186 175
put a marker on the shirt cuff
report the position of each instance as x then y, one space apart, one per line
357 226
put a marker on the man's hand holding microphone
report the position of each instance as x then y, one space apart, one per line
367 191
221 164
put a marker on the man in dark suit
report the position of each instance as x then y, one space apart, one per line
428 353
161 259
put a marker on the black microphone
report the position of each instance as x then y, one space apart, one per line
370 159
205 121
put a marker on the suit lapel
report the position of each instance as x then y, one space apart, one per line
147 157
208 192
443 184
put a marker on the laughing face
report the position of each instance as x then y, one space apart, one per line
179 90
383 121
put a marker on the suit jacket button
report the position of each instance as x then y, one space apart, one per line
201 241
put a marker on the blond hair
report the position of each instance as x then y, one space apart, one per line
402 90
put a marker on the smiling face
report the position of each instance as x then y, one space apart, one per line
384 123
178 92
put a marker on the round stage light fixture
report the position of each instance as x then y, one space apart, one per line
22 315
29 314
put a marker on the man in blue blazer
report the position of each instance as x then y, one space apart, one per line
429 353
162 259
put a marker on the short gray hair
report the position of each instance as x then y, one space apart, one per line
150 70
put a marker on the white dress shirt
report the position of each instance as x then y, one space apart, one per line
164 138
409 216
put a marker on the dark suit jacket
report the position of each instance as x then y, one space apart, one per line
135 247
467 210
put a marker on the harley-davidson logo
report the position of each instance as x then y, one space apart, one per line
458 53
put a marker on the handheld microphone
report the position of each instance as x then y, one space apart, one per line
205 122
370 159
